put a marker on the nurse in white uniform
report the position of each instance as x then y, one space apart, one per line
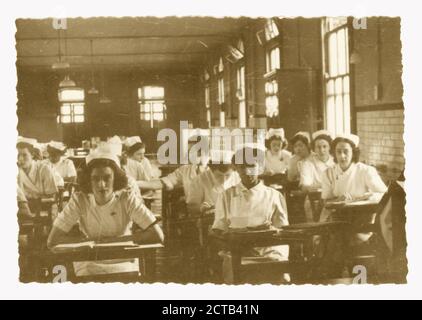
276 157
251 204
35 178
136 152
206 186
63 166
104 210
313 167
349 180
301 151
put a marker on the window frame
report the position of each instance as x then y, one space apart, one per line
331 114
143 102
71 103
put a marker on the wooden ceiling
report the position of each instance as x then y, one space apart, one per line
145 42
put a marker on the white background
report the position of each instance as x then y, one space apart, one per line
411 50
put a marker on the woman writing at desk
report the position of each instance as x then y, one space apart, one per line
349 180
104 209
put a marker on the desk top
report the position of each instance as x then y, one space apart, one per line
89 251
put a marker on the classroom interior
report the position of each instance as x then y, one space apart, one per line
135 76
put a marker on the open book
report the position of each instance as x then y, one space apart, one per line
92 245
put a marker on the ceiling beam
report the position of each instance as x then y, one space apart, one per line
151 37
113 54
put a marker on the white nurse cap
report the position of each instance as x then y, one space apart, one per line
57 145
351 137
103 151
304 134
275 132
30 141
221 156
318 133
130 141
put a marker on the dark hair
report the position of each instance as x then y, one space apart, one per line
222 167
137 146
52 150
30 147
302 139
259 156
355 150
278 138
120 178
321 137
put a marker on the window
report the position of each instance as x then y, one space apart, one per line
272 65
271 98
207 104
271 30
220 98
273 59
240 94
72 105
336 75
152 104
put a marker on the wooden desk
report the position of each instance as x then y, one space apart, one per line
305 265
144 252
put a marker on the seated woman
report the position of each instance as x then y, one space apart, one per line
104 210
35 178
136 152
277 158
183 175
350 180
250 204
312 168
205 187
63 166
301 151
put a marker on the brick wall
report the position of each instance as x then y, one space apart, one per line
382 145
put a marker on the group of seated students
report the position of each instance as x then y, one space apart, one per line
109 200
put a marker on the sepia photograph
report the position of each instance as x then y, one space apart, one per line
199 150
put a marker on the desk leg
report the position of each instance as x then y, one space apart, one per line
236 267
148 266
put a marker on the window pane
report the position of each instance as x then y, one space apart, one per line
341 51
332 54
78 109
207 97
65 119
145 107
65 109
71 94
276 58
331 115
275 86
147 116
242 114
159 116
346 113
157 107
346 87
79 118
330 87
339 86
150 92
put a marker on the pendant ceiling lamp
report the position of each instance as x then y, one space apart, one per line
93 90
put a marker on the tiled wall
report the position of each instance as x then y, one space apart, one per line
382 144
